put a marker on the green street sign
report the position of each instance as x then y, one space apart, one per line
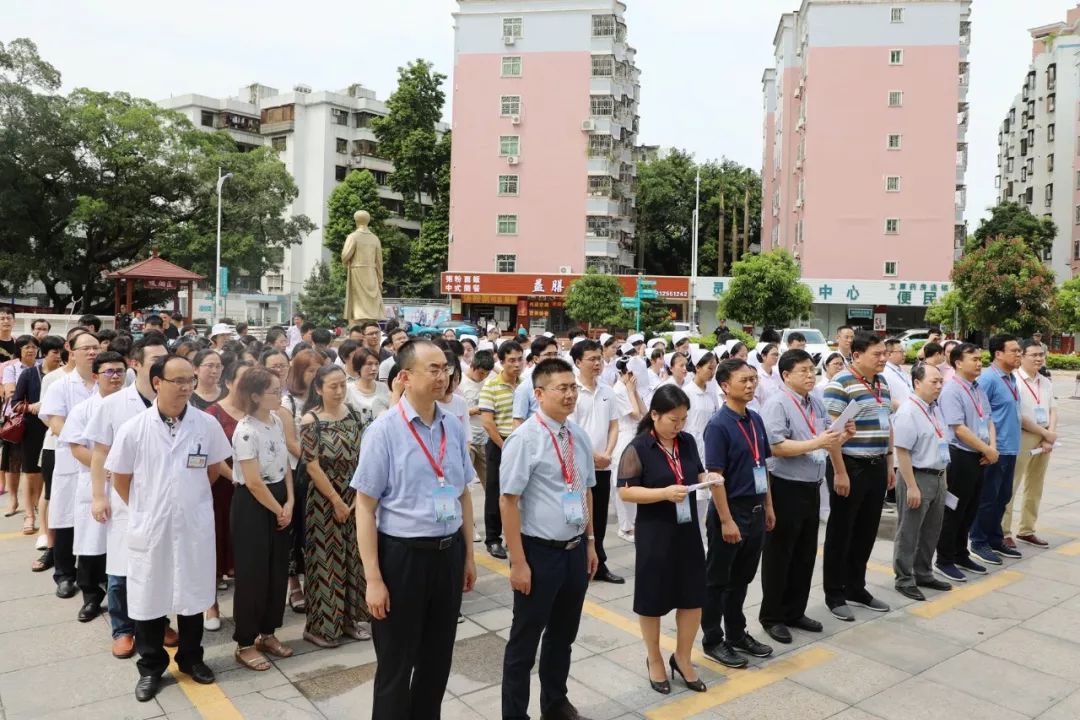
642 283
629 302
648 294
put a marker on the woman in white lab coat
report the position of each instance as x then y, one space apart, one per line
769 380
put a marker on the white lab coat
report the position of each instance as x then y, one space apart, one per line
171 550
106 420
60 400
91 536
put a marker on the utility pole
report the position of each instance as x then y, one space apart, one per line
217 278
746 222
694 251
720 240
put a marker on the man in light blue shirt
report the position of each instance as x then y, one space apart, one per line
412 476
987 538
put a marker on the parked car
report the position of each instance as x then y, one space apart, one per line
910 337
816 344
459 327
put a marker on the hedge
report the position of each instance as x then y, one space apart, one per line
1053 361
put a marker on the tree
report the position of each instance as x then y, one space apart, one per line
1010 219
1068 303
407 135
765 290
655 317
1006 288
428 256
320 301
594 299
946 310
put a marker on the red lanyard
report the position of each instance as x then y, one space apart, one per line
1005 381
436 466
1033 393
875 393
672 459
977 404
567 473
811 422
928 417
753 444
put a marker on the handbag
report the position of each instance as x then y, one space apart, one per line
14 426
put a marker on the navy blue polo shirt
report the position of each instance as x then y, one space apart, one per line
727 450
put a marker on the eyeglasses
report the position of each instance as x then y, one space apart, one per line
181 383
114 372
437 371
561 389
88 348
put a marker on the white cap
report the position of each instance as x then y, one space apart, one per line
668 357
474 339
549 334
604 337
485 345
626 348
579 338
656 341
698 354
635 338
492 327
527 354
678 337
221 329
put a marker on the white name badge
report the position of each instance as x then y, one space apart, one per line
761 480
571 507
1042 418
983 429
446 506
883 418
819 456
196 461
943 451
682 511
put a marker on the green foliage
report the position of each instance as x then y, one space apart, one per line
765 290
595 299
744 337
706 342
1069 305
358 191
1006 288
320 301
1013 220
1062 362
428 257
945 311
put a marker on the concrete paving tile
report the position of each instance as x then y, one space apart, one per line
960 626
1056 621
242 681
259 705
1014 686
1027 648
21 583
1067 709
783 699
469 629
124 707
609 591
342 694
627 686
600 637
474 604
854 713
1040 589
999 606
32 691
457 710
307 665
496 619
477 664
849 678
40 611
1053 569
897 644
924 699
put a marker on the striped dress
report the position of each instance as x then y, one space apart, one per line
335 587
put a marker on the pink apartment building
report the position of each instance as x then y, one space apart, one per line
545 121
865 151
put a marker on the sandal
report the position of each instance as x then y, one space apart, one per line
258 662
28 525
358 631
297 601
319 641
44 562
272 646
13 511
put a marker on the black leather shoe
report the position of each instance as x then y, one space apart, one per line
779 633
66 589
607 576
726 655
89 611
697 685
564 711
910 592
934 584
147 687
662 686
496 550
200 673
751 646
807 624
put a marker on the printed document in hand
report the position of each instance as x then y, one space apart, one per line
1039 450
849 413
702 485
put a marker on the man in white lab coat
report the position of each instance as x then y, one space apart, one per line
162 462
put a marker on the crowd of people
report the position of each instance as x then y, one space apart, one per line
334 477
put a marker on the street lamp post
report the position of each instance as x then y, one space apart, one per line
694 250
217 278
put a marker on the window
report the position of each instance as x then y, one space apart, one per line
599 185
509 145
896 57
1051 77
339 172
600 145
207 118
278 143
513 27
508 184
894 141
892 226
896 98
1031 166
275 283
1049 194
1023 174
603 25
597 226
1077 215
342 145
892 183
505 263
1031 138
510 105
1009 165
1050 132
896 15
997 182
507 225
890 268
1023 147
601 105
603 65
339 117
1050 162
1051 102
511 66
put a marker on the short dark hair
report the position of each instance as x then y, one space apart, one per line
138 348
35 321
365 325
155 320
540 344
844 327
484 359
90 321
406 354
508 347
864 341
7 310
578 350
254 382
998 342
574 333
108 335
274 333
360 356
157 370
791 358
665 399
548 367
307 327
241 328
177 316
918 373
300 315
72 339
729 367
394 331
271 352
931 349
891 343
50 343
1030 342
960 351
321 336
347 348
796 337
24 340
107 357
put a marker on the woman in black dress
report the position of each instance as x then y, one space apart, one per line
654 472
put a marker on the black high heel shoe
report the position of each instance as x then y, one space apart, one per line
663 687
697 685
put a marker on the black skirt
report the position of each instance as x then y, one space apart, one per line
669 569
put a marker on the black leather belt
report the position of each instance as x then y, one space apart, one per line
438 543
868 459
557 544
929 471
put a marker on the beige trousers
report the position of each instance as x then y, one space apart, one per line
1028 480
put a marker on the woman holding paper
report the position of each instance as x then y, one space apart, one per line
657 471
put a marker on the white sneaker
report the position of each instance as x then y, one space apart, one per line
42 542
628 537
213 624
476 536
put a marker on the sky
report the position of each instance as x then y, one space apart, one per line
701 61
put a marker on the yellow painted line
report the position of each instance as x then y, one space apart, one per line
742 683
1063 533
15 535
960 595
209 700
1071 550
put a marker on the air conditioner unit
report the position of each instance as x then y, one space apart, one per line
798 203
801 124
511 159
588 125
798 91
798 164
515 119
565 270
509 39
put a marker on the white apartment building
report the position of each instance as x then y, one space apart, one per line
1038 163
321 136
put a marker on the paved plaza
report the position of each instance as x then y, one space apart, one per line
1005 647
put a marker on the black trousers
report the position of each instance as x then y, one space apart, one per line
298 526
414 645
601 498
729 570
48 463
852 528
91 578
64 555
964 480
261 554
150 643
492 516
787 562
552 609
